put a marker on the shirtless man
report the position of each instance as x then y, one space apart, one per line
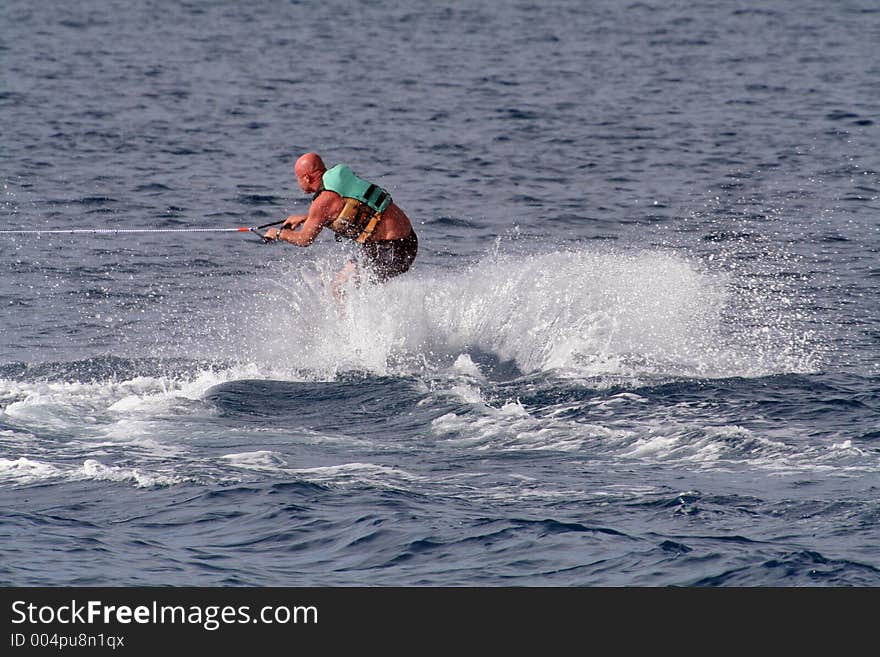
353 208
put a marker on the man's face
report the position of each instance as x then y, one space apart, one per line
304 182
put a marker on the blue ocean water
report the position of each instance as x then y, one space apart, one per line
639 346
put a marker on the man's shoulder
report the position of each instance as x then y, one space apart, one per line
326 203
325 196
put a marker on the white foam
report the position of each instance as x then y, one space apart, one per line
135 436
464 364
733 446
344 474
581 313
92 469
129 412
846 445
469 394
512 427
357 474
26 471
259 460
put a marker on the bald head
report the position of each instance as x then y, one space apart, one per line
309 169
309 163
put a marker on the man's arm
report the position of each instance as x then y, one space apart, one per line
320 214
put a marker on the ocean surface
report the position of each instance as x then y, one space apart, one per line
639 345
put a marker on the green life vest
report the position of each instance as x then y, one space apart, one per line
343 181
364 202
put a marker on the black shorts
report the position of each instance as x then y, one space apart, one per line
389 258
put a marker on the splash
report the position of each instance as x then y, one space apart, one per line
579 313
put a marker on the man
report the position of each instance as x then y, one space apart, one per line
352 208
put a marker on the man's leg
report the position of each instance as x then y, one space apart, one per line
342 278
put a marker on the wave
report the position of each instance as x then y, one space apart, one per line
23 471
227 425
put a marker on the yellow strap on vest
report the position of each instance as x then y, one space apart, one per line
353 218
369 228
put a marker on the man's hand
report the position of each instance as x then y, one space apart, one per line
293 221
290 223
